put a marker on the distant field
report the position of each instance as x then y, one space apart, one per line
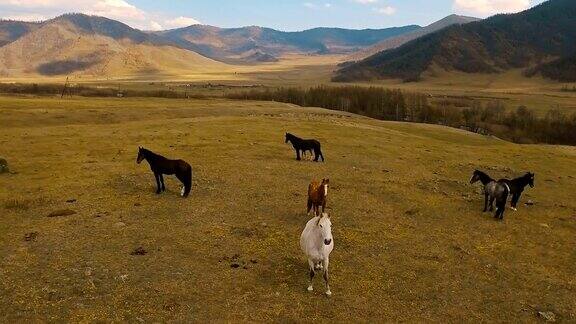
512 88
411 242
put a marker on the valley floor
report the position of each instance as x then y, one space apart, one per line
511 88
411 242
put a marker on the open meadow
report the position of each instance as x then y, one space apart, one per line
411 242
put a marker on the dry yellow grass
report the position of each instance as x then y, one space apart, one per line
411 242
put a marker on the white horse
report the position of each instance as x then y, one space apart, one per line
317 242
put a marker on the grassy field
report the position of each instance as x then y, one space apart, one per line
411 241
512 88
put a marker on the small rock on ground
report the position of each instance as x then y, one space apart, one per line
139 251
547 316
30 236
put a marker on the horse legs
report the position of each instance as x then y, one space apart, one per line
325 264
162 182
158 187
514 202
318 154
312 272
309 206
500 207
492 203
186 179
485 202
298 158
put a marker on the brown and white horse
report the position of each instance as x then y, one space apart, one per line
317 195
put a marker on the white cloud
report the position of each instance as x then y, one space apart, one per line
490 7
311 5
365 2
120 10
154 25
179 22
387 10
25 17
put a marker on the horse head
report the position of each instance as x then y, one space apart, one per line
530 178
287 139
475 177
140 155
325 226
325 183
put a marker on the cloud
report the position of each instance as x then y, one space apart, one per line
120 10
490 7
387 10
154 25
377 7
366 2
179 22
25 17
311 5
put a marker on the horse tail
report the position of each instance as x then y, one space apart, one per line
502 199
187 181
318 151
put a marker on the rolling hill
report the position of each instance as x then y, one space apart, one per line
12 30
398 41
412 243
235 44
497 44
89 45
84 45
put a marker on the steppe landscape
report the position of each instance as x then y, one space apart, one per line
84 238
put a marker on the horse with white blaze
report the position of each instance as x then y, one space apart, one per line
317 243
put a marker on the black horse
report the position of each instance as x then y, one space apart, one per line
493 190
489 185
161 165
517 187
301 145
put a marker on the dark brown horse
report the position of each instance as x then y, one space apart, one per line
303 145
161 165
317 195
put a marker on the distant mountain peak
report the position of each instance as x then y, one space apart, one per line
400 40
496 44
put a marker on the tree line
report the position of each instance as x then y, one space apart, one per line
521 125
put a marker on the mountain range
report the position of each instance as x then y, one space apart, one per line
258 43
98 46
400 40
539 41
90 45
526 40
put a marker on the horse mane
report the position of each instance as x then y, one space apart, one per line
151 155
523 179
292 136
484 176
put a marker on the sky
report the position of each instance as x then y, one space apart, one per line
287 15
